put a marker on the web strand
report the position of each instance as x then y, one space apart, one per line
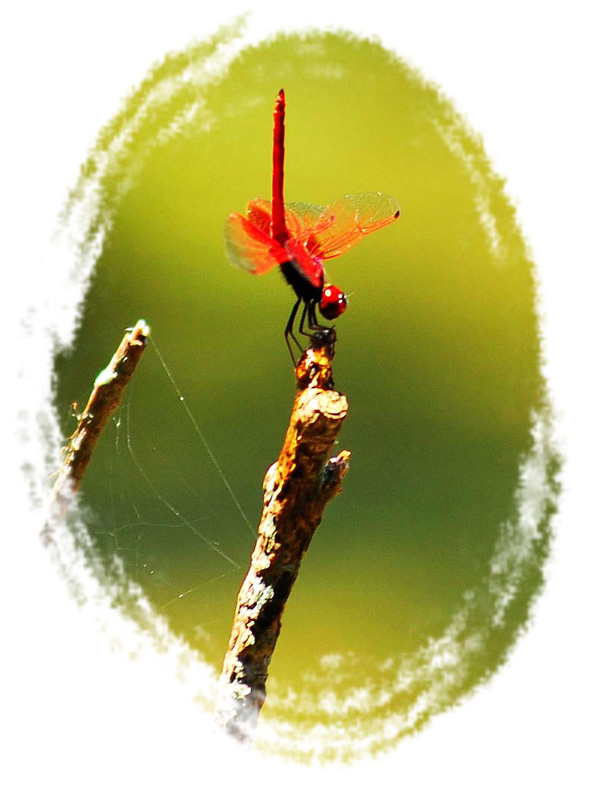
200 435
167 503
195 588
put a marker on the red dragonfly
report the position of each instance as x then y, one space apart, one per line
298 237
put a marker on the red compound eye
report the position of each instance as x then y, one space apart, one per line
333 302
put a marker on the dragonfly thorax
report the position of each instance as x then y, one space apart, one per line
305 288
306 276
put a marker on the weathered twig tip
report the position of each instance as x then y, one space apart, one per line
105 397
314 367
141 330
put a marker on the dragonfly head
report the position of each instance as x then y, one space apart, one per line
333 302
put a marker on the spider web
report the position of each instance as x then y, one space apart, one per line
177 530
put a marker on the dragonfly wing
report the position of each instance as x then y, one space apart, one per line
249 247
258 213
308 220
306 216
343 223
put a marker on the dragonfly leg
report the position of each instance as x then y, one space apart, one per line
313 321
303 319
320 335
314 330
289 329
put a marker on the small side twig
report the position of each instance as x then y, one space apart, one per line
296 490
106 396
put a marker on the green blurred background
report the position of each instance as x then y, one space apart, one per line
438 353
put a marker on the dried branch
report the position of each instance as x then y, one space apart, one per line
296 490
106 396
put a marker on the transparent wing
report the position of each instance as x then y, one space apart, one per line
299 216
343 223
258 212
248 242
305 220
324 232
248 246
306 216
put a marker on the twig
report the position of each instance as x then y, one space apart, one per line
108 390
296 490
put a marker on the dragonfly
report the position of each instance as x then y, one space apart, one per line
298 237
